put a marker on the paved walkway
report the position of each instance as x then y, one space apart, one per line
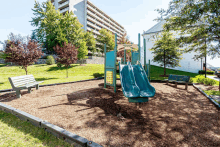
213 77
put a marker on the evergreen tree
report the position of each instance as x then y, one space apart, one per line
165 51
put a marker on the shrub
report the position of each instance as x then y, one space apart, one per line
59 64
50 60
207 72
209 82
191 80
200 79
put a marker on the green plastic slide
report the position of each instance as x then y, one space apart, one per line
135 84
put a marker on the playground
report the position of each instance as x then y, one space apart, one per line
173 117
131 111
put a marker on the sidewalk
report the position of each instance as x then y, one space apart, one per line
213 77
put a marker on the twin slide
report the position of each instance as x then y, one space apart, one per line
135 84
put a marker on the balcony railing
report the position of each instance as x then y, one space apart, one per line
92 25
64 10
63 4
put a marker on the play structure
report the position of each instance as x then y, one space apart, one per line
134 77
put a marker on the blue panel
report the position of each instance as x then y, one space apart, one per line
110 59
135 57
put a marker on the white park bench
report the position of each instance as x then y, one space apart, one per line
23 82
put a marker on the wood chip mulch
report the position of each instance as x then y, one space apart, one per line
174 117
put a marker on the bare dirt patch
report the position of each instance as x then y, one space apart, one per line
174 117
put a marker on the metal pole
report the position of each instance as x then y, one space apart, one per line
149 70
114 76
139 46
105 66
144 54
205 59
124 56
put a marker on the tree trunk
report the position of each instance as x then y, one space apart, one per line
67 72
164 63
25 68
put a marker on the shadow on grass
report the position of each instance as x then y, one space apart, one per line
44 79
23 127
3 65
97 75
41 65
60 68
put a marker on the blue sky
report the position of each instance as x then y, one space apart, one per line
134 15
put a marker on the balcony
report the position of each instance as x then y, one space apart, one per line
60 1
92 25
91 8
64 10
63 4
91 14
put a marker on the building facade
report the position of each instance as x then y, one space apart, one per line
90 16
187 63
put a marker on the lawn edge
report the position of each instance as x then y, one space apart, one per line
58 132
211 99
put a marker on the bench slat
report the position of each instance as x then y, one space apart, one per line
21 77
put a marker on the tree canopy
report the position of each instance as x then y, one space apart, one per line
105 37
165 51
196 21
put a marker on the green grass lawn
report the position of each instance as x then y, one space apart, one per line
155 71
50 73
17 133
212 92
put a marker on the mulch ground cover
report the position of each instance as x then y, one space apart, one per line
174 117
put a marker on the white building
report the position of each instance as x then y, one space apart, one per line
90 16
187 63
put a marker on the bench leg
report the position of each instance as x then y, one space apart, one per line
186 86
18 93
176 84
37 86
167 82
29 89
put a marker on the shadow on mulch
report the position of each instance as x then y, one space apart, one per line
178 118
186 120
10 96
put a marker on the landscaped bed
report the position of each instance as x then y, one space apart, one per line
174 117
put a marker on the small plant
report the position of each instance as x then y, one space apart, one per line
50 60
59 64
191 80
200 79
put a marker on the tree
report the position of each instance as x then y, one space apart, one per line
82 51
90 41
22 54
49 31
105 37
124 40
67 54
193 19
165 51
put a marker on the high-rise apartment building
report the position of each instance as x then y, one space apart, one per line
91 17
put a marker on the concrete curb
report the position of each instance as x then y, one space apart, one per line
99 78
53 129
211 99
